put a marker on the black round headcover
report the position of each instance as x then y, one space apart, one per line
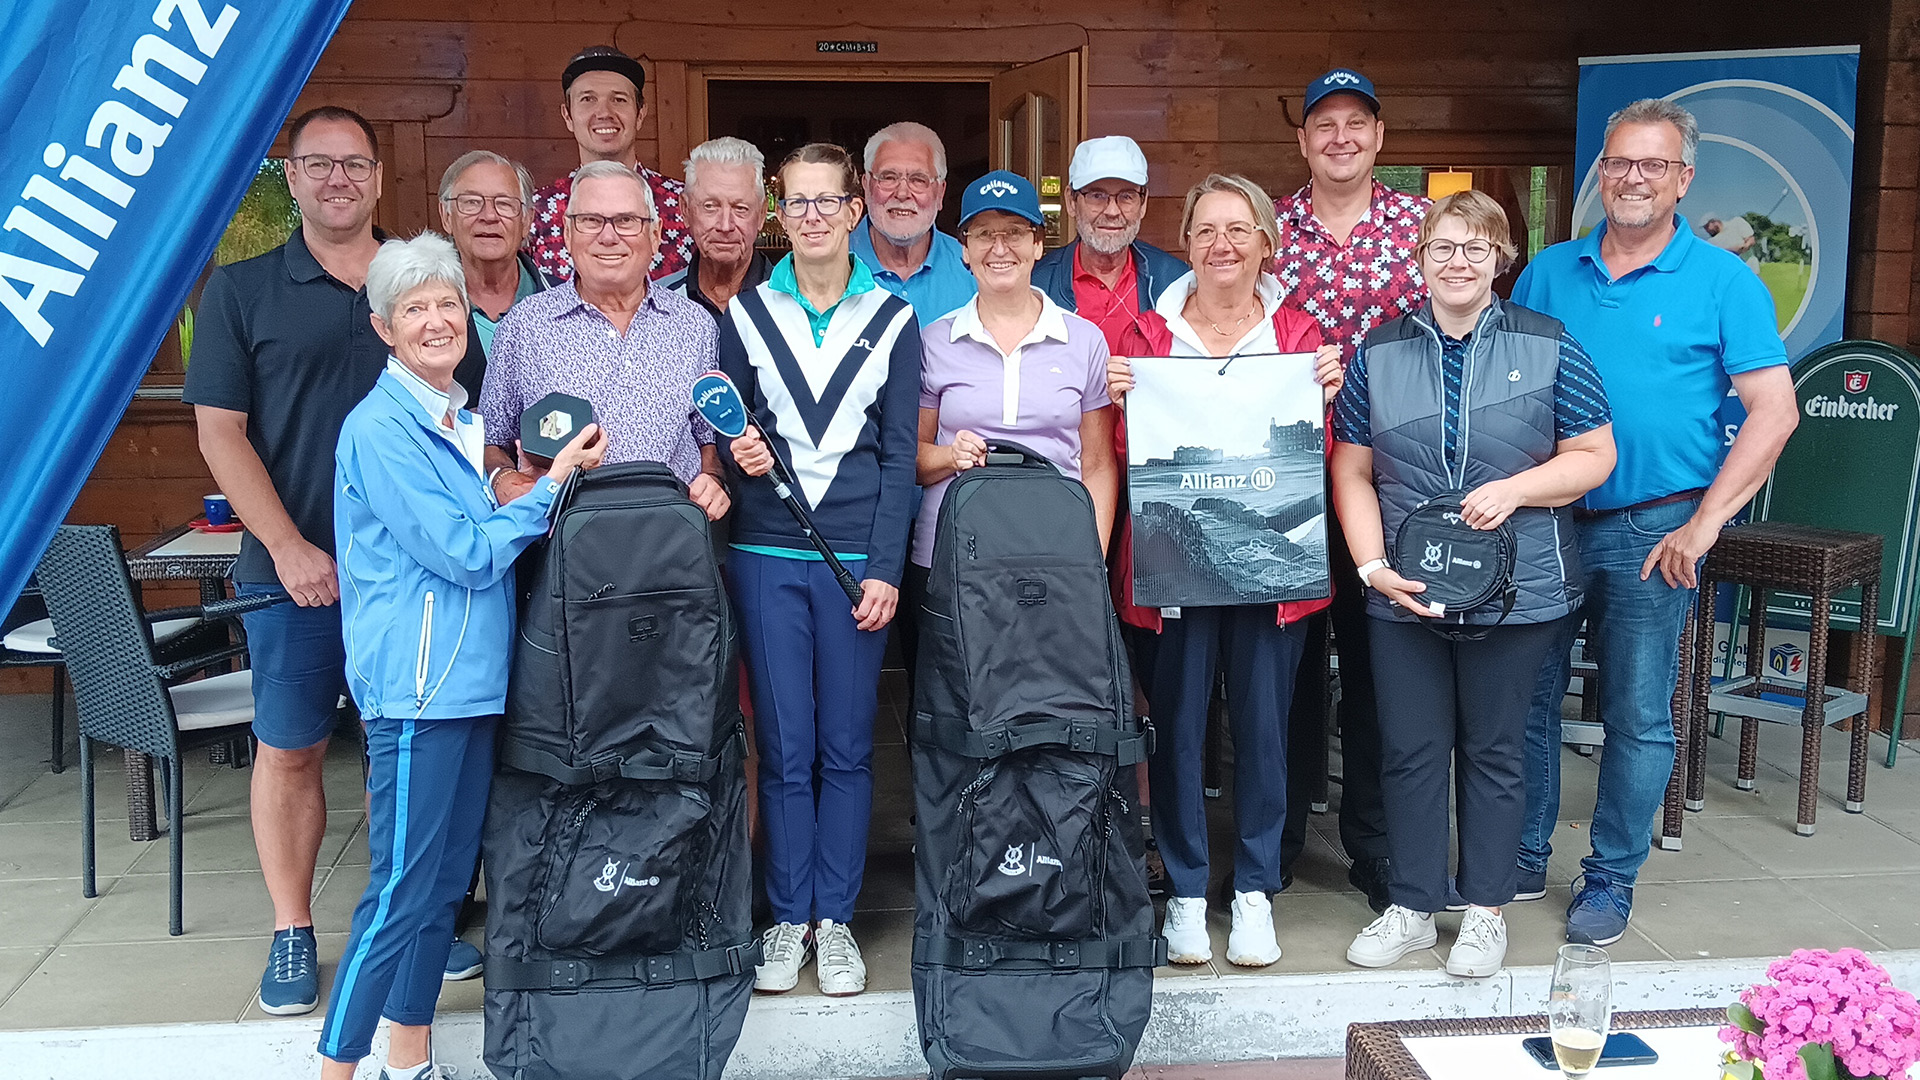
1463 567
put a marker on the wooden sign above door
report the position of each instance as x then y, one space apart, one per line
846 46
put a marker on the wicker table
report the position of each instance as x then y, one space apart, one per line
1379 1051
1818 563
180 553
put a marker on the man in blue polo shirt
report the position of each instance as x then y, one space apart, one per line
1671 323
905 182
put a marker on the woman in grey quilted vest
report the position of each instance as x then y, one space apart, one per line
1494 404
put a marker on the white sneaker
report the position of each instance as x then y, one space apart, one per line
1481 948
1252 944
786 946
1186 930
1392 936
841 970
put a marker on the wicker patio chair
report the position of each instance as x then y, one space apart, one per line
26 640
125 692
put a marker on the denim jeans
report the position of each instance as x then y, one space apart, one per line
1633 632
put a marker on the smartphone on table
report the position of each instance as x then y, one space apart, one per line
1622 1048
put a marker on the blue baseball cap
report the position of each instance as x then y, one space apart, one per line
1002 190
1340 81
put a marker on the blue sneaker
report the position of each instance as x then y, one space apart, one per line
463 962
291 986
1599 912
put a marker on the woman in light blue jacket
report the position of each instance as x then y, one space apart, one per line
426 594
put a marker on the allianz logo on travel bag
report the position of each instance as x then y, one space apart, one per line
613 877
1015 862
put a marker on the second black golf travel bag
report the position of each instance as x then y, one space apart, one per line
619 935
1034 948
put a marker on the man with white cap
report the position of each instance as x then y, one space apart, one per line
1108 275
1346 258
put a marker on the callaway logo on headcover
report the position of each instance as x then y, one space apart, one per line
997 188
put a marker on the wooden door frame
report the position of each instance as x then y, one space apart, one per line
684 57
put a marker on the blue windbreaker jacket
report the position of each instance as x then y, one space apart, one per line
426 563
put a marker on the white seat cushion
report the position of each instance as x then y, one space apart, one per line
214 702
34 637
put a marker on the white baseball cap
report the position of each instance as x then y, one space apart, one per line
1110 157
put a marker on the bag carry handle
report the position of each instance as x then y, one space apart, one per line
566 976
1008 452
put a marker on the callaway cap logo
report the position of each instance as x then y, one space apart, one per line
1342 78
997 188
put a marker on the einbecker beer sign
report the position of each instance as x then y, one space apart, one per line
1854 463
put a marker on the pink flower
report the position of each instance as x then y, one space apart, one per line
1842 998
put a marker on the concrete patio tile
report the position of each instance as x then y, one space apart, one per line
1536 930
54 797
335 894
40 912
226 843
888 885
176 981
51 849
1844 844
16 965
1753 918
1320 868
1702 857
227 904
1315 930
1880 904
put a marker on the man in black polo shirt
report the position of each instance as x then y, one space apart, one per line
725 203
284 350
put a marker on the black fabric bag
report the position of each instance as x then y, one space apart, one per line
619 928
1034 947
1463 568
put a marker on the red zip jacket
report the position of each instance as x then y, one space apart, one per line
1296 331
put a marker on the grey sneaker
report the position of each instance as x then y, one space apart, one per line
838 964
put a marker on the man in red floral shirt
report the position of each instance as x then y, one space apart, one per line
1346 258
601 104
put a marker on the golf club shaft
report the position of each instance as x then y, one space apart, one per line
782 481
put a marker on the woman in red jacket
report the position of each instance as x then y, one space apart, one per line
1228 304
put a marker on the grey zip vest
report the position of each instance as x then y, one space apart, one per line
1507 427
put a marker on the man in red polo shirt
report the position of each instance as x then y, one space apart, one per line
601 104
1346 258
1108 275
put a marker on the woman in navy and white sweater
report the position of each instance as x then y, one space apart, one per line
830 365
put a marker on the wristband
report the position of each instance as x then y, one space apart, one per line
1369 568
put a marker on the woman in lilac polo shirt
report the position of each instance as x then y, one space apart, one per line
1011 364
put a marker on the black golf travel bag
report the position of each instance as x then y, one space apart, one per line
619 935
1034 948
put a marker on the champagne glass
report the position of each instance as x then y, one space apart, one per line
1579 1007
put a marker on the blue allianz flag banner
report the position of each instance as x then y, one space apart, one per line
1773 181
133 129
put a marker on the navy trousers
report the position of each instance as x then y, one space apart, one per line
427 798
1261 659
815 680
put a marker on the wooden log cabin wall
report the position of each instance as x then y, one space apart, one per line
1203 85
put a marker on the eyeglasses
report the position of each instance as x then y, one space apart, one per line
793 206
320 166
988 239
1651 168
1098 200
1239 234
623 224
888 179
471 205
1442 251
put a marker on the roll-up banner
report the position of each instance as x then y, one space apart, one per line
132 131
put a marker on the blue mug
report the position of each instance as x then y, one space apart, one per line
218 510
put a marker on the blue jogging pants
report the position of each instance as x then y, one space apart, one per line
427 786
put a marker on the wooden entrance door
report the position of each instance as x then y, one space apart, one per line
1039 115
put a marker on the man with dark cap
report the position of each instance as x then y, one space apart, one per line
601 103
1346 258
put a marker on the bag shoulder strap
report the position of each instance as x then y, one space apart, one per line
681 766
569 975
1082 736
979 954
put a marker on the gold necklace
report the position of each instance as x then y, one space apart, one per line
1237 323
